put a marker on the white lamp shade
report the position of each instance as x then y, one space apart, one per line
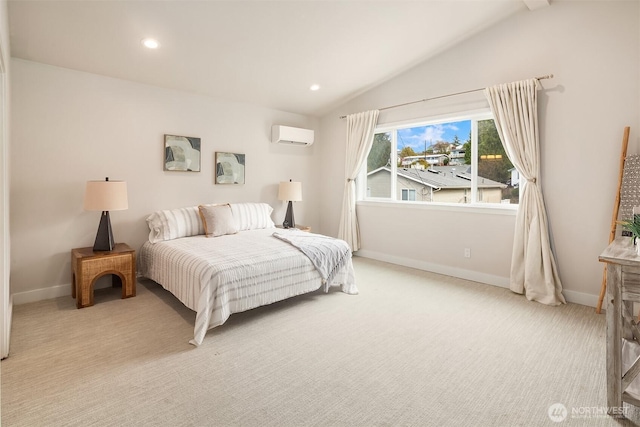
106 196
290 191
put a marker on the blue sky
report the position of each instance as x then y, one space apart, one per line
416 137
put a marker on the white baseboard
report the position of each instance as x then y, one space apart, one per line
474 276
488 279
581 298
6 334
48 293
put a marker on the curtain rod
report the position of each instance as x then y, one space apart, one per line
548 76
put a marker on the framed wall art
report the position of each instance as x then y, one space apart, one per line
181 153
229 168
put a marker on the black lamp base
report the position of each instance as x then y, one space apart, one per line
289 222
104 238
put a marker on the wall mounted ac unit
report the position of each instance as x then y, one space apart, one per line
288 135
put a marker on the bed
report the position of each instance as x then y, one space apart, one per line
244 264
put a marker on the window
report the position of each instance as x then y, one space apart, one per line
408 194
459 160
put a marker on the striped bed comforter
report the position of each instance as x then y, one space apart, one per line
219 276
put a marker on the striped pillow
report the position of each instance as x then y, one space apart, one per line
252 216
174 223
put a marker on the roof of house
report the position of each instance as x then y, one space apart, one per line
424 156
450 177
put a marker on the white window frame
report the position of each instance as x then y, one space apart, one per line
474 116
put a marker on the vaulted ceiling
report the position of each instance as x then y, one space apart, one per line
262 52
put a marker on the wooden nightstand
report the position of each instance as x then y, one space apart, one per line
87 266
299 227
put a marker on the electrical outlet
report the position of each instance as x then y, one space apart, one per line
467 252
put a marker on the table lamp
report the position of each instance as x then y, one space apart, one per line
292 192
105 196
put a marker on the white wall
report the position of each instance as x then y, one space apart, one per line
593 49
70 127
5 299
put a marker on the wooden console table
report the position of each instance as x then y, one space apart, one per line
87 266
623 289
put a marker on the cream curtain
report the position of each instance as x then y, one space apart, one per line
360 128
533 266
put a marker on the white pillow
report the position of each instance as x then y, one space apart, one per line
217 220
174 223
252 216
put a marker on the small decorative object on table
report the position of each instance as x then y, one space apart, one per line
633 227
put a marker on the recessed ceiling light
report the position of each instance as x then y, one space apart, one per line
150 43
314 87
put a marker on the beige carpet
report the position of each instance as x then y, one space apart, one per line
413 349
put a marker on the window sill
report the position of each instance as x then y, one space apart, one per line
476 208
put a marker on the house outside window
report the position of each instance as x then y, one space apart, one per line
457 161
